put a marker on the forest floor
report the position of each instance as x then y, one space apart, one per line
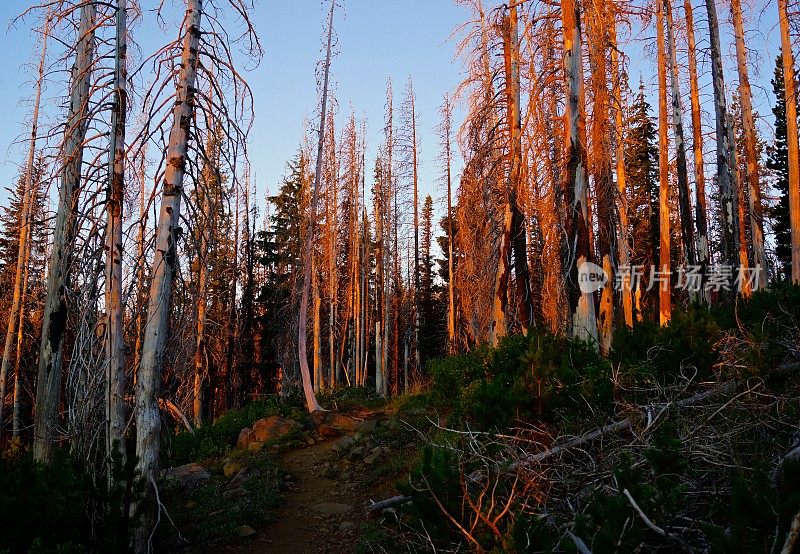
328 486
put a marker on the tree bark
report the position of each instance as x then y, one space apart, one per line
728 196
583 324
792 140
664 298
54 320
148 420
311 400
114 341
700 214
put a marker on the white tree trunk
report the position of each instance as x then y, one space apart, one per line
308 388
148 420
726 172
114 345
54 320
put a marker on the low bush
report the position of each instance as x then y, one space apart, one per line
216 438
65 507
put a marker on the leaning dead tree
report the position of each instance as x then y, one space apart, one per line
206 63
302 347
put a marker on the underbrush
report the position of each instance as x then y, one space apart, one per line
217 438
65 506
677 441
213 511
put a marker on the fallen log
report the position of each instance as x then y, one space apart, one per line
611 428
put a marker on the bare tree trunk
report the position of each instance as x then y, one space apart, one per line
308 389
54 320
114 342
318 382
451 307
600 164
387 293
752 177
728 197
684 201
148 420
416 229
664 298
622 178
791 132
583 323
15 414
202 292
20 273
700 216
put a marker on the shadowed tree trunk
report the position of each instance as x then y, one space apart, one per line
114 343
792 140
664 298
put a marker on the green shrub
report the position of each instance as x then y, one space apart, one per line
63 507
214 439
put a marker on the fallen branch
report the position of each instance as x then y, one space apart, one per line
388 503
655 528
168 406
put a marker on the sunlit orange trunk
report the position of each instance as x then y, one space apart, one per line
583 324
664 299
700 217
791 131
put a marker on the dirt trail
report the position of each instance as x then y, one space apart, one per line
317 514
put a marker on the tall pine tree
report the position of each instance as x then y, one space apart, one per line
778 163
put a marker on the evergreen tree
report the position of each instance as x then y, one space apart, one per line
433 328
641 164
278 250
10 222
778 163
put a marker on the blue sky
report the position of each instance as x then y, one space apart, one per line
377 39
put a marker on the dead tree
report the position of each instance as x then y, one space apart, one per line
114 345
751 157
684 201
16 314
726 174
583 324
308 389
700 213
664 298
791 131
48 390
